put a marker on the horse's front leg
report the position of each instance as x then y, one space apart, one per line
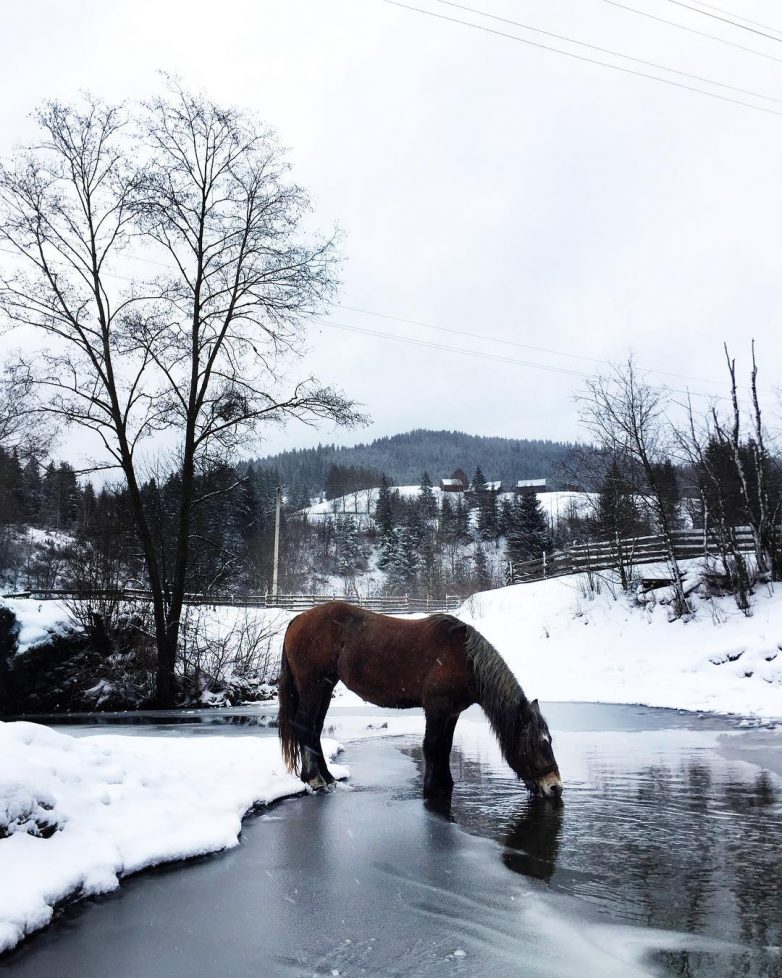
308 716
438 741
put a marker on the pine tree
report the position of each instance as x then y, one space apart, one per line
488 518
477 489
617 512
347 545
87 506
387 551
668 491
32 489
462 520
384 509
402 569
426 498
528 532
447 520
12 508
50 498
482 573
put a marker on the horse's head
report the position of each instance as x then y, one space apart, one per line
534 761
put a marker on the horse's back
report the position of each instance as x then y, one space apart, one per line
387 661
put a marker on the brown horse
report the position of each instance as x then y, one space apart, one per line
437 663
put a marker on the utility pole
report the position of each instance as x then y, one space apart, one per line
277 507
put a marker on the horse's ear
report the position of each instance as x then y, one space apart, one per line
534 706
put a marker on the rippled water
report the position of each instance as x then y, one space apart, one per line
668 829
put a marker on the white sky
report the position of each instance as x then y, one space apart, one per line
483 185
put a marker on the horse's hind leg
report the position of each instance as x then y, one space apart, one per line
438 741
308 716
328 688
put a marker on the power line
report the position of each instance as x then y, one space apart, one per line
581 57
616 54
692 30
444 329
525 346
473 354
724 20
477 336
480 355
732 13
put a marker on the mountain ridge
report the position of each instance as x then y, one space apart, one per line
404 456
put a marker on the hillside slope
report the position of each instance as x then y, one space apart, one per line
405 456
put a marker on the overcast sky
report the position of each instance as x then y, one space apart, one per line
483 185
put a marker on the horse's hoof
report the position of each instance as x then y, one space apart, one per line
318 783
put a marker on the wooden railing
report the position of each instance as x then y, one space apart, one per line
393 605
608 554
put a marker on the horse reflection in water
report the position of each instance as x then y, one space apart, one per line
437 663
532 842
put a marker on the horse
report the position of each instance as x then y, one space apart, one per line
438 663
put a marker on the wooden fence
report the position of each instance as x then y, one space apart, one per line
608 554
402 604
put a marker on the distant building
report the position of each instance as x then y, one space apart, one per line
495 487
452 485
530 485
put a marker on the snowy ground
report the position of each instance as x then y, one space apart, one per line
78 813
565 645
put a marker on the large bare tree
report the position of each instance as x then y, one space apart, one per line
200 341
626 417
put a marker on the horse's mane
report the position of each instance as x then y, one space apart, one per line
499 693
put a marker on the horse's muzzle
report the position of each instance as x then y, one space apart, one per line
551 786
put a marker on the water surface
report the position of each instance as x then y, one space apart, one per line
665 859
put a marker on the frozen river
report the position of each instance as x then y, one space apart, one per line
665 859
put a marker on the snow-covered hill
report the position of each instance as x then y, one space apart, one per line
362 503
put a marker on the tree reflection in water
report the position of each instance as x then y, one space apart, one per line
691 843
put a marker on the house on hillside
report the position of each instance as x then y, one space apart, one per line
494 487
530 485
452 485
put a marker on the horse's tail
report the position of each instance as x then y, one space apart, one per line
288 697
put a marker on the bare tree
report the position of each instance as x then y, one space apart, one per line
704 448
763 512
201 348
625 416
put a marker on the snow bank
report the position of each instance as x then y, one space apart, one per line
38 620
76 814
564 645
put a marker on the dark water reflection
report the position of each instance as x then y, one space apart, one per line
691 843
665 859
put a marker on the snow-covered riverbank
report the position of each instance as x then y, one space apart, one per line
78 813
566 644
